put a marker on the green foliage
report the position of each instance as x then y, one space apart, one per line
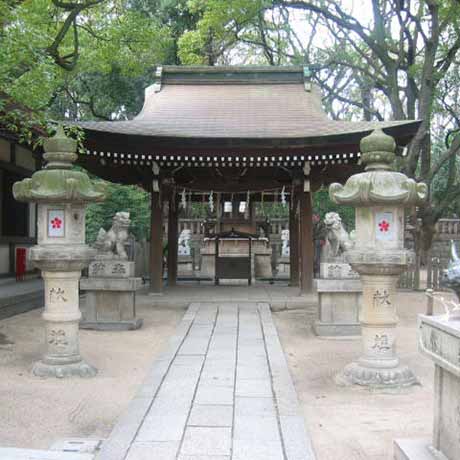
120 198
272 210
114 43
322 204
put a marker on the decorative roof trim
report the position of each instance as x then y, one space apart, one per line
207 161
307 74
233 75
156 87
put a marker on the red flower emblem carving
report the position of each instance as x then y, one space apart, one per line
56 222
384 226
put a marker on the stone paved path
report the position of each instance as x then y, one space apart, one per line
221 392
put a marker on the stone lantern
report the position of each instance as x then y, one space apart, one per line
61 253
380 196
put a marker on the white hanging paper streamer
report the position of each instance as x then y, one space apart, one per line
183 199
283 197
211 202
246 213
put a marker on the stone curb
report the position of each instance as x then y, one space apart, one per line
296 442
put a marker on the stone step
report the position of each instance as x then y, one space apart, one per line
413 449
21 303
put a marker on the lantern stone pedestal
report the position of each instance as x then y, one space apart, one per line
185 265
439 340
380 196
61 252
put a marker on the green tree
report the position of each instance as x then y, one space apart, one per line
87 52
400 61
120 198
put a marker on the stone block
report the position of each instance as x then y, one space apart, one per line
185 265
337 270
255 388
110 304
296 443
244 449
211 415
166 427
78 445
284 266
262 407
256 428
113 268
110 284
439 340
211 441
208 394
339 306
153 450
203 457
413 449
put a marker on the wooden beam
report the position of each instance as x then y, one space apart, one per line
156 244
306 243
173 223
294 239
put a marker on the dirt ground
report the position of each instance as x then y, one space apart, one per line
344 423
36 412
350 423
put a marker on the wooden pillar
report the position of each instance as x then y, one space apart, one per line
156 244
294 239
173 223
307 252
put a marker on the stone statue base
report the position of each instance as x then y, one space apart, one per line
78 369
111 268
284 266
337 270
184 265
339 307
394 377
110 301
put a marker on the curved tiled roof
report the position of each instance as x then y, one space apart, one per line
200 104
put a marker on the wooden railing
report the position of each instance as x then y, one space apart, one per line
435 267
448 229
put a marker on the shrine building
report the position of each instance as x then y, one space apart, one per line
17 220
232 137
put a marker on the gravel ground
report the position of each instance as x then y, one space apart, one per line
37 412
352 423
